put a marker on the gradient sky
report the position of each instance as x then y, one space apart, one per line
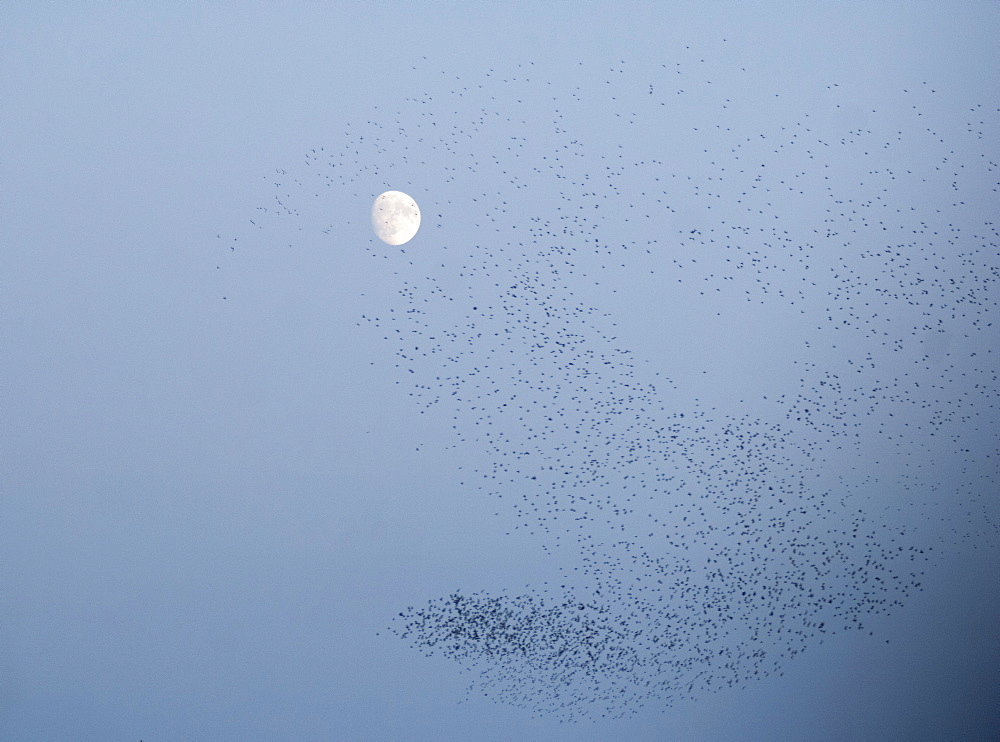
217 484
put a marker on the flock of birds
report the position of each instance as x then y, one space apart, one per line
698 544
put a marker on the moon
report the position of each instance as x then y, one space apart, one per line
395 217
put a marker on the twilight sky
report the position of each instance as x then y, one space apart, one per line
676 419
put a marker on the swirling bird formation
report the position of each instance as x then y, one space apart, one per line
698 547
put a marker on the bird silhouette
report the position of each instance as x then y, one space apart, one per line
694 546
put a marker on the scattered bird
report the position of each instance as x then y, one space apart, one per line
697 548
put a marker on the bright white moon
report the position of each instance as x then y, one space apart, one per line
395 217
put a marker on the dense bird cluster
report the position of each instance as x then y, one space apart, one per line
700 542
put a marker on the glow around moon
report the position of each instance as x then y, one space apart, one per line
395 217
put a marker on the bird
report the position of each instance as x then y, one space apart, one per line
693 546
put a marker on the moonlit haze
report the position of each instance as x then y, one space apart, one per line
670 412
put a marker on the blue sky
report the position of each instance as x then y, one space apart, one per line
242 435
